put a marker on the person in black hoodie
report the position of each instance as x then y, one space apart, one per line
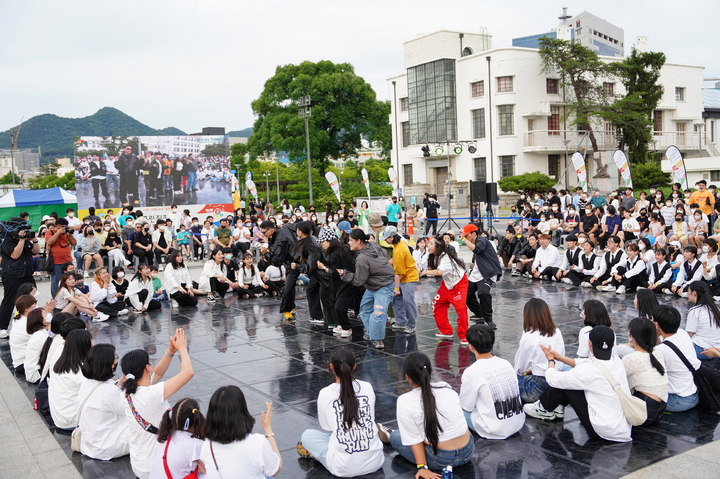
373 271
307 254
486 270
280 253
127 166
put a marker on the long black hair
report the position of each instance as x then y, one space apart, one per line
646 302
440 249
77 344
137 275
704 298
306 246
181 417
644 334
343 367
418 368
133 363
228 418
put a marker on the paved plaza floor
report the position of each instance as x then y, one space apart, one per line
246 343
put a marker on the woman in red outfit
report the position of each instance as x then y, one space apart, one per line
453 289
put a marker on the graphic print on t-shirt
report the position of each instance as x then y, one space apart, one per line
357 438
505 394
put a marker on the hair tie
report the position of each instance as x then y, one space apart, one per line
194 411
129 376
424 367
170 413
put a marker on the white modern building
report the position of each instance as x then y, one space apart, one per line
457 88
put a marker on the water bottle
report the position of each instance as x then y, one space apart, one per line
447 472
35 404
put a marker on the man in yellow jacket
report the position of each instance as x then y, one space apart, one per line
406 280
704 198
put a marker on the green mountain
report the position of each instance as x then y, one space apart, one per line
241 133
54 134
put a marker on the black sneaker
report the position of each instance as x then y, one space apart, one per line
211 298
491 324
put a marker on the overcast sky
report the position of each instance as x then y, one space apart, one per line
195 63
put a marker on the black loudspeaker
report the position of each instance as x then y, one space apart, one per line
491 192
478 192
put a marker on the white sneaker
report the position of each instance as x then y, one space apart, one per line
124 312
100 317
559 412
536 410
620 290
443 336
716 298
566 281
4 334
609 289
86 274
585 284
683 295
667 291
175 304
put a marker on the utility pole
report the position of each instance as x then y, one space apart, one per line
305 112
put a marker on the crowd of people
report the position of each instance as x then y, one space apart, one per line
360 275
116 180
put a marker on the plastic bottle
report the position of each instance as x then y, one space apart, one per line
447 472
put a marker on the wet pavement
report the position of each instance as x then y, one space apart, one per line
246 343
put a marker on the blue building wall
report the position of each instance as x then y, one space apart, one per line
532 41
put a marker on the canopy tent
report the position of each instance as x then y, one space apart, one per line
37 203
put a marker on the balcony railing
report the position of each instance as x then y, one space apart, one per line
555 140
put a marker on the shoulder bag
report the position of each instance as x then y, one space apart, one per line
634 408
142 422
192 475
702 378
76 436
215 461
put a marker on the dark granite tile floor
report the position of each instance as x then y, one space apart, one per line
246 342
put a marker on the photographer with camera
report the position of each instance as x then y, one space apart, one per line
59 240
17 252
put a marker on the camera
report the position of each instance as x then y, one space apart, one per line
13 228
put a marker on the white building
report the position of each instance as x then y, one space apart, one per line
457 88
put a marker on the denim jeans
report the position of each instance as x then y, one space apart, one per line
699 354
55 279
677 403
531 387
404 305
373 311
468 420
317 444
192 182
443 458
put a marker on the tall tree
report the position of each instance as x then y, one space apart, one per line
582 74
632 114
344 109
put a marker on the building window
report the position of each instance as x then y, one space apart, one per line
478 117
505 115
554 166
554 121
657 121
405 133
477 89
507 166
609 89
679 94
407 175
432 104
480 169
715 175
505 84
553 86
404 104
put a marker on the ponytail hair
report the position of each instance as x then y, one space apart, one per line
181 417
418 368
644 334
704 298
133 367
343 366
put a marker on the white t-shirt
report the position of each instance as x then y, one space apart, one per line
583 350
32 355
604 408
411 418
251 458
701 322
490 392
182 456
62 297
18 340
102 421
62 393
643 377
150 403
357 451
680 379
530 356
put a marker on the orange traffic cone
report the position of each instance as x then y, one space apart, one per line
410 224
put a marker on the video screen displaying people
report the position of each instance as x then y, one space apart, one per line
151 171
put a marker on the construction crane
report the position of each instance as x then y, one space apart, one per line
13 147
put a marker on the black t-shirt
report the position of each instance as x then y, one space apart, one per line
643 221
122 287
16 268
589 222
231 270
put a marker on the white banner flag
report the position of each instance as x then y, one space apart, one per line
334 183
579 162
366 180
624 166
678 165
393 180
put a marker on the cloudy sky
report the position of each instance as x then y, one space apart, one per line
195 63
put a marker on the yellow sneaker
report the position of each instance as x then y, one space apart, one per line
302 452
288 315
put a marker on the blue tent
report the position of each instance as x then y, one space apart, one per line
37 203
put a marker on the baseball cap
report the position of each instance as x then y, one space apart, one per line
388 232
345 226
467 229
375 219
602 339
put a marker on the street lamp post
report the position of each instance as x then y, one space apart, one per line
304 112
277 178
266 173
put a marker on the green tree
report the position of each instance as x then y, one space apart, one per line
8 179
66 181
632 114
582 74
344 108
217 149
647 174
534 182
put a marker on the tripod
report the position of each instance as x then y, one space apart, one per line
489 218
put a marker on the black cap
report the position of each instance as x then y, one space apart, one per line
602 339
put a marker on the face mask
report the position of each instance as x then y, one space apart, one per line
153 275
128 225
652 192
79 284
195 224
675 195
536 198
641 246
658 197
678 219
581 240
174 210
120 274
107 228
522 197
698 218
36 294
228 257
146 229
71 214
161 228
706 249
555 208
687 195
588 212
537 208
571 212
48 317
